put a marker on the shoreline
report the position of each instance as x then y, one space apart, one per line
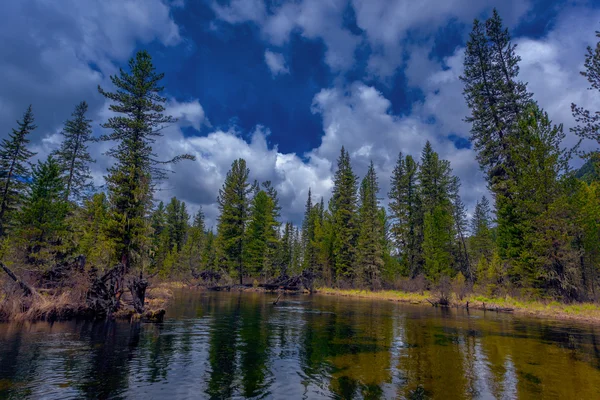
580 312
66 305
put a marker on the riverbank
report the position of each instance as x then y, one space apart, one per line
70 304
585 312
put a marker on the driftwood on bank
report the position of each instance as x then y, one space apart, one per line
61 274
137 286
104 295
296 283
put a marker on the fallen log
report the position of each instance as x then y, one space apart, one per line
27 290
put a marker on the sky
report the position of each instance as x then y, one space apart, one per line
286 84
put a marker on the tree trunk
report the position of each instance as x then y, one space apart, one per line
27 290
137 287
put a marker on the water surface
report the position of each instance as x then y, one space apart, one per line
238 345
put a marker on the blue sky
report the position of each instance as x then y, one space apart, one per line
286 84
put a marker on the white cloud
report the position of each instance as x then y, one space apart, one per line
54 54
313 19
276 63
188 113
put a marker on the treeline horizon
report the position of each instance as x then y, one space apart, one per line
537 236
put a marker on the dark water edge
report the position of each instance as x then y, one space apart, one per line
238 345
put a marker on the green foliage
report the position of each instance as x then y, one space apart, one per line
588 122
481 243
370 257
91 223
43 216
405 209
73 155
343 207
14 169
139 120
234 204
261 236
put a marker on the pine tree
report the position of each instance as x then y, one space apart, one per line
285 249
209 252
588 122
370 254
43 217
14 168
438 223
343 206
459 215
234 204
139 122
539 163
260 235
91 222
176 222
191 252
73 155
481 242
311 214
405 210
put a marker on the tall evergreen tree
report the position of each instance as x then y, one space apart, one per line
405 210
481 242
261 236
91 225
14 168
370 252
539 163
311 214
177 219
234 204
343 207
588 122
138 123
285 249
459 214
494 95
438 223
43 217
73 155
191 252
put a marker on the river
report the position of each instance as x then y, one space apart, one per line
239 345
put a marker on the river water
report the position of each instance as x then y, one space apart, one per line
239 345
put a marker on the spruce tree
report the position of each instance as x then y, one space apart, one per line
285 249
131 179
405 210
588 122
91 224
481 242
234 204
494 94
343 207
370 255
43 217
308 233
177 219
260 234
73 155
438 223
191 252
14 168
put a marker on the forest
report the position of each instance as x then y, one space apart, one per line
537 236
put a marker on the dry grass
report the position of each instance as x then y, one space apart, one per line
589 312
41 308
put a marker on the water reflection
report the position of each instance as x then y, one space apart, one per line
241 346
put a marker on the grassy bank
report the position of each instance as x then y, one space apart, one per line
588 312
70 303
